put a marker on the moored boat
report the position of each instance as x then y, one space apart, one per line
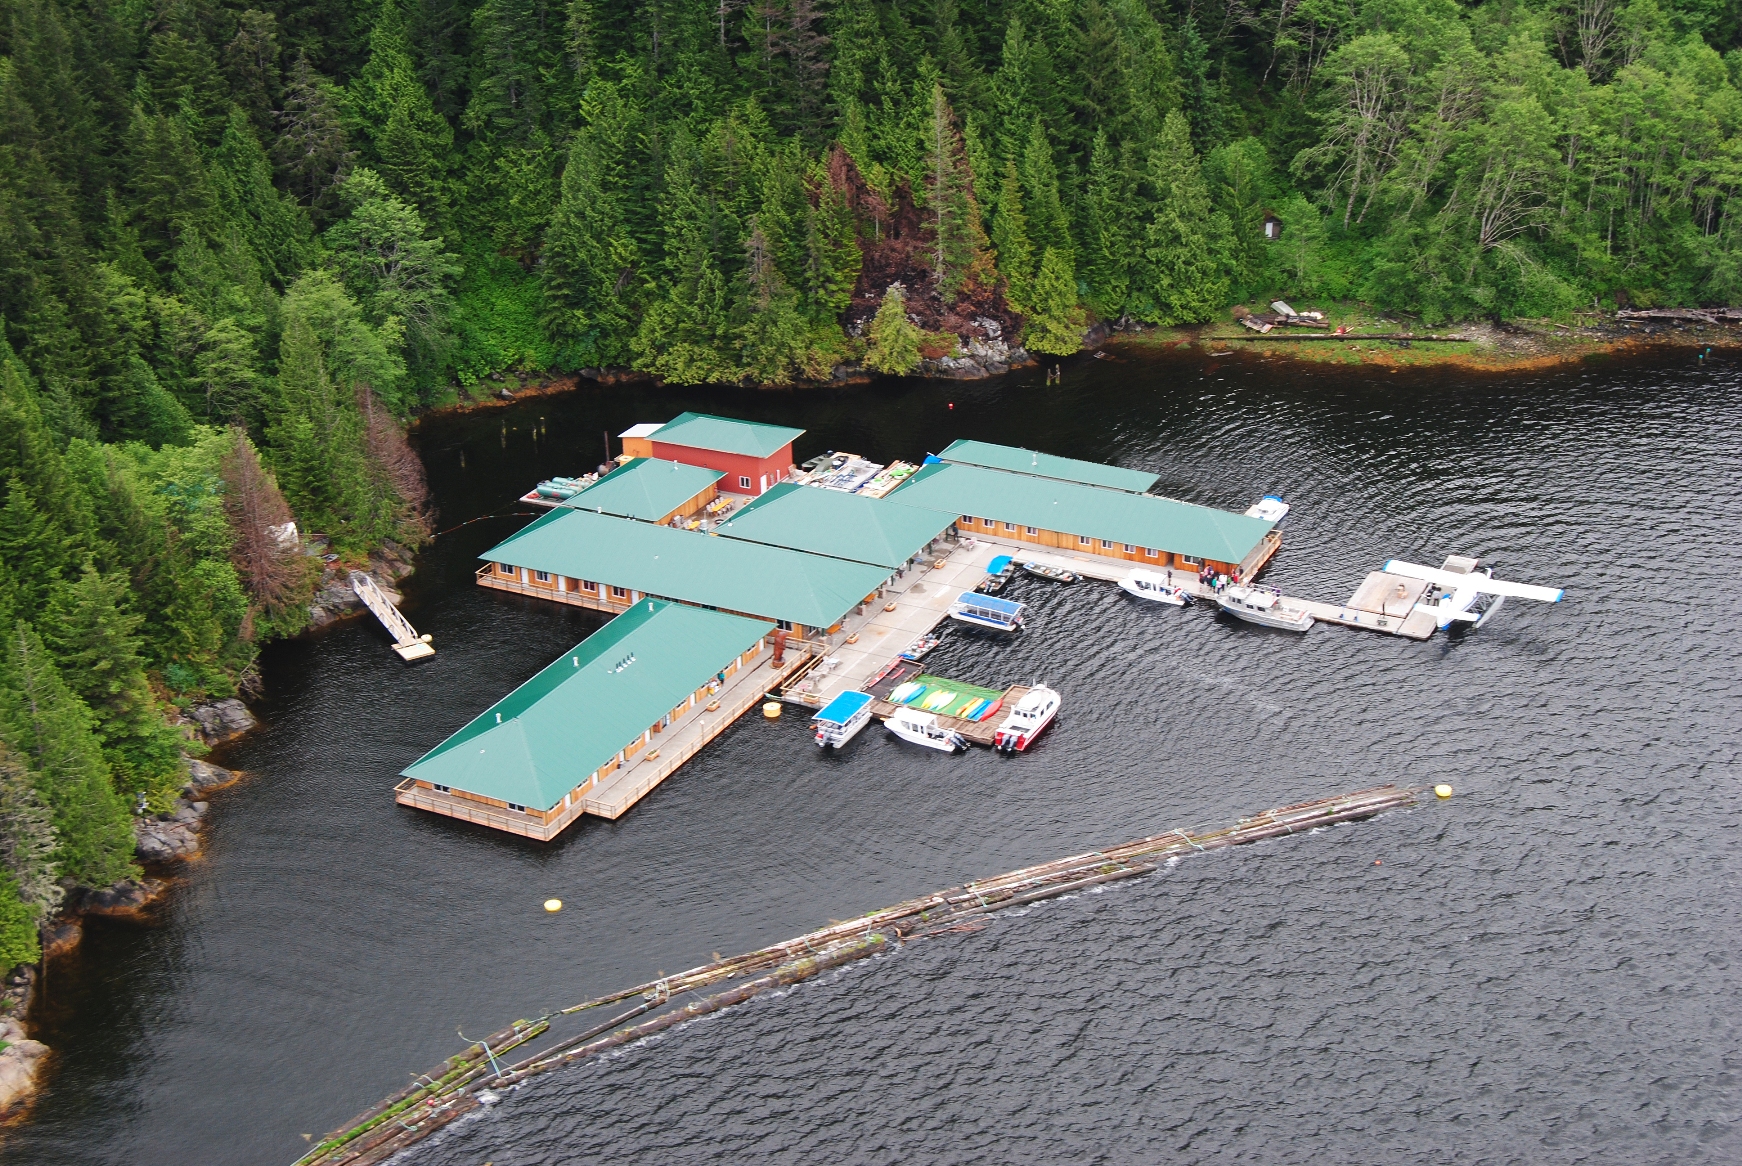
1034 712
986 611
1156 588
1262 605
842 718
924 729
1050 572
999 572
916 651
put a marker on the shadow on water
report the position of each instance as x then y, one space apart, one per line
1539 971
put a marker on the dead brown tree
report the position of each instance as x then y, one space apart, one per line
266 549
394 458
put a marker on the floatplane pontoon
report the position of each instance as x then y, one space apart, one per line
1465 592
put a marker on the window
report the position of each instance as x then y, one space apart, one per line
744 481
504 569
784 625
442 789
1186 562
1106 544
1129 549
1082 540
1030 530
619 593
541 576
517 806
1009 526
1149 552
589 585
987 523
967 520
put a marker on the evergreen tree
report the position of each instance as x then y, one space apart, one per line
94 641
958 244
1184 275
1010 239
313 151
1055 323
894 342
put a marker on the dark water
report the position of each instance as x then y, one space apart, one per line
1541 970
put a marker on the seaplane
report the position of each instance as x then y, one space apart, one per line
1466 592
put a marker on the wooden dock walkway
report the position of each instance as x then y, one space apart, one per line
744 690
406 641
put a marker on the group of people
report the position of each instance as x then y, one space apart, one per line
1216 580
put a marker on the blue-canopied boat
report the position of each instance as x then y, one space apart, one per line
987 611
842 718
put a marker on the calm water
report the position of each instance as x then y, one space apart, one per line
1541 970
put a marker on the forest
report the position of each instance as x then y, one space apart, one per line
242 243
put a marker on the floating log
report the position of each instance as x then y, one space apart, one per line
1356 336
458 1086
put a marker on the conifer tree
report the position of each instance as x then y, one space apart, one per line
894 341
1110 206
958 244
1184 276
95 643
1055 323
29 888
1010 239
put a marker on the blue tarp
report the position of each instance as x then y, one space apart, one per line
997 565
843 707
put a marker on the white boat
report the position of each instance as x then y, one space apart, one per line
923 729
1270 508
1032 713
987 611
842 718
1149 585
1262 605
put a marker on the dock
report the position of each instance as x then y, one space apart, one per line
406 641
979 732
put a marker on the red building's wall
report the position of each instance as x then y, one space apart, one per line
762 472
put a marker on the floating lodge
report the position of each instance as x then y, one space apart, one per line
709 549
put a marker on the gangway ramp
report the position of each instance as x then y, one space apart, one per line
406 641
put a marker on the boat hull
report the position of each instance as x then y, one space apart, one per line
835 736
1292 621
1010 741
951 743
1174 598
974 621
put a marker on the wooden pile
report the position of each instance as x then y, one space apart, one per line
1692 315
470 1079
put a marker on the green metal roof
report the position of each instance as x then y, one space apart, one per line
544 738
734 574
1071 508
840 525
645 488
726 434
1046 465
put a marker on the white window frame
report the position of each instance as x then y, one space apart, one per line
743 481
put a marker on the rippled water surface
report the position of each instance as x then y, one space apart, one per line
1540 970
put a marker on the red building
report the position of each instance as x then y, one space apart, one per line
751 455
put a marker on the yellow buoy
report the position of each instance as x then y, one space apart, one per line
771 710
1442 790
553 905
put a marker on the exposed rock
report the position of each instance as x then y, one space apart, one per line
204 776
222 720
975 358
61 935
19 1063
124 898
158 840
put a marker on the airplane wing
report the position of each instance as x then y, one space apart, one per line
1452 581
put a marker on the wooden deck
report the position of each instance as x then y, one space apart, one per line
979 732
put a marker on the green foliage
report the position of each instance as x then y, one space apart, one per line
894 341
1055 323
1183 275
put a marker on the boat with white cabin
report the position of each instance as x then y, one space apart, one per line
1156 588
987 611
1270 508
924 729
1034 712
842 718
1262 605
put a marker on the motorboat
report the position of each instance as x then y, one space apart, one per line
1262 605
917 650
987 611
842 718
999 572
1270 508
924 729
1032 713
1149 585
1050 572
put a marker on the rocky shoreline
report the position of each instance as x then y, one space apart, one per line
172 837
